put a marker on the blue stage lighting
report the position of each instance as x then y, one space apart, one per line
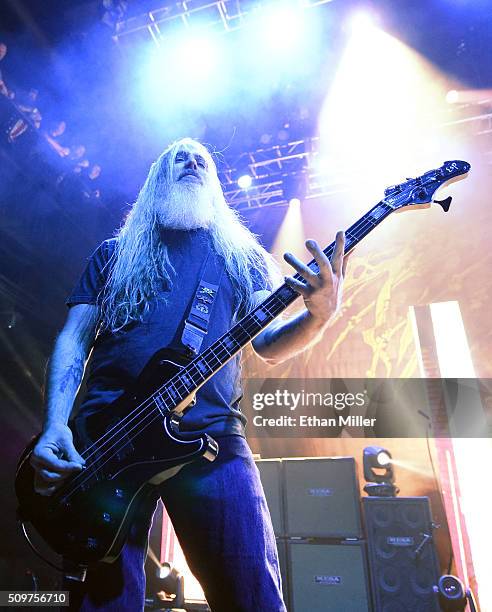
282 26
186 71
195 57
281 40
244 181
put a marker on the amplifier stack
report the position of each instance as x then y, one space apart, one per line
315 511
332 560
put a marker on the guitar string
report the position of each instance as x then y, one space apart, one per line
150 401
162 389
156 415
141 425
204 356
219 353
364 221
265 306
362 224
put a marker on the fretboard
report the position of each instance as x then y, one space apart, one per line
204 366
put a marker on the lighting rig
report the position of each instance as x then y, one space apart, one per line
219 17
279 174
291 170
273 171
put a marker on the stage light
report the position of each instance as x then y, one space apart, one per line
193 63
286 41
197 54
245 181
383 458
452 96
291 234
378 472
171 582
376 457
451 593
361 23
281 26
453 596
186 71
470 96
163 571
383 102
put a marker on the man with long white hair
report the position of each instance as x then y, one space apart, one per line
130 302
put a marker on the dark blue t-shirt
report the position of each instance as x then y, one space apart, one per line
117 359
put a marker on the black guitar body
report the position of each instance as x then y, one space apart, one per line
88 518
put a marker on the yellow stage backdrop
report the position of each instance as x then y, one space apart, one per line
414 258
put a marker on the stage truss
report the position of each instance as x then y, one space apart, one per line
200 15
274 169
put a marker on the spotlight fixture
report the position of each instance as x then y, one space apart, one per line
383 459
171 582
245 181
453 596
378 472
362 22
452 96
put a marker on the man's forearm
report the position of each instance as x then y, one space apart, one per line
285 339
63 377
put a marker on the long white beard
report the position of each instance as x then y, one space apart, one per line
188 205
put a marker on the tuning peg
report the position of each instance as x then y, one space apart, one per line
444 204
391 190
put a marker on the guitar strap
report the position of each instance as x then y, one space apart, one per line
198 319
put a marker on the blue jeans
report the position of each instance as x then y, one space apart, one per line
221 519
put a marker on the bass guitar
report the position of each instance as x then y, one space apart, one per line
135 442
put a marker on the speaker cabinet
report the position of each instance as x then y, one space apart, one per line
322 498
327 577
402 554
282 559
271 479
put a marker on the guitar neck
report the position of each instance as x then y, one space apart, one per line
205 365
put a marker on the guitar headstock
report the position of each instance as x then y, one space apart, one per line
418 192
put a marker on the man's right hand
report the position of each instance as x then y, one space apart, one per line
54 458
